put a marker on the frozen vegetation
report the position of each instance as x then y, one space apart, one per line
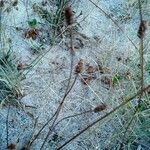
74 75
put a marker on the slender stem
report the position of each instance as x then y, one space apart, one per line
103 117
71 116
69 81
35 137
7 126
141 50
57 113
108 16
141 68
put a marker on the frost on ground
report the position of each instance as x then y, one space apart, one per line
100 44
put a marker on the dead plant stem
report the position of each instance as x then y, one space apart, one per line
103 117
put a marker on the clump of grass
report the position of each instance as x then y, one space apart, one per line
10 88
135 131
54 18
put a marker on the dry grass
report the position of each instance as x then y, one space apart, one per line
96 96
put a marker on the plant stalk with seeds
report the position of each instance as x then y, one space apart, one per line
105 116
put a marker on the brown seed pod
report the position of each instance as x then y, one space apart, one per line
79 66
90 69
142 29
33 33
99 108
68 15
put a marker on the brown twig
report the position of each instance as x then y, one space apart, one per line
69 21
35 137
74 115
141 35
7 126
97 109
57 113
103 117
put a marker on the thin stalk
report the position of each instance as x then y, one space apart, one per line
35 137
7 126
75 115
69 21
103 117
109 16
141 50
57 114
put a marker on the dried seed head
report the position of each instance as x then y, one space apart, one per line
99 108
90 69
79 66
68 15
33 33
142 29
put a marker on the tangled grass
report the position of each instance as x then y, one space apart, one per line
128 109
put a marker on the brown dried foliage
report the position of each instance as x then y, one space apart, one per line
142 29
79 66
33 33
90 69
99 108
68 15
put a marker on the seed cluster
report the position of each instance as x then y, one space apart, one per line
68 15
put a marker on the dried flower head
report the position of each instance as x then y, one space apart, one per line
99 108
68 15
33 33
142 29
79 66
90 69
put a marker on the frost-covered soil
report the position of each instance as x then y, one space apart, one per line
98 42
